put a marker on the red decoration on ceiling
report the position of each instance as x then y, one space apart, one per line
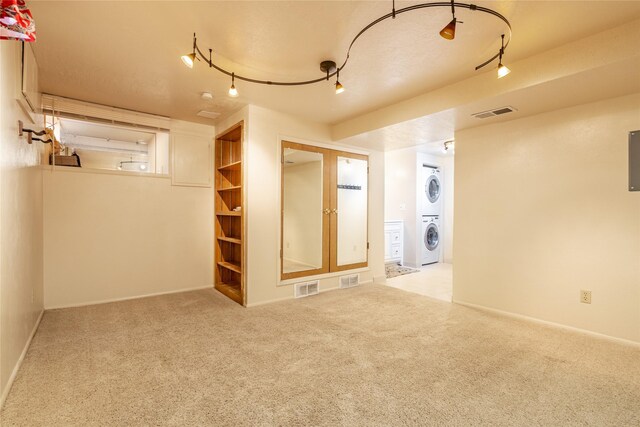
16 21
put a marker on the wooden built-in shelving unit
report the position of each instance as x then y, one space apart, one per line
229 225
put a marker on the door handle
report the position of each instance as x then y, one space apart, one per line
326 211
334 211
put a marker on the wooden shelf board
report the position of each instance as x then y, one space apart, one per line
231 290
231 166
230 240
230 266
234 188
230 213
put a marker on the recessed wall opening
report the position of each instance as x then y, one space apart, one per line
108 146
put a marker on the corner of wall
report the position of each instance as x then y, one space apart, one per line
21 216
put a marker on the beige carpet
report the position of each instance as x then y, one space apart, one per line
364 356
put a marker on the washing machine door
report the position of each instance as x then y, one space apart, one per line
431 237
432 188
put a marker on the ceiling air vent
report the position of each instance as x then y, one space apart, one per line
208 114
494 112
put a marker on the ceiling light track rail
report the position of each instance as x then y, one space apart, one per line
330 68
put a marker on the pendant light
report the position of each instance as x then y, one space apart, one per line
339 87
190 58
233 92
449 32
503 70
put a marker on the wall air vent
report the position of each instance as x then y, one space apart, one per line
349 281
306 289
494 112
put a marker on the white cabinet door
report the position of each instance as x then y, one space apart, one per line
192 160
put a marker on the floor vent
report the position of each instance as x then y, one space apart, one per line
349 281
494 112
306 289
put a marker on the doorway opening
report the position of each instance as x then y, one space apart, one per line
419 219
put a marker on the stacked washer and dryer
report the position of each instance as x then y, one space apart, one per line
431 211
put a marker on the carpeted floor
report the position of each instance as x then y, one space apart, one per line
364 356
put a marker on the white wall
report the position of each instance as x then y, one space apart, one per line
110 236
543 211
446 220
20 223
265 131
400 197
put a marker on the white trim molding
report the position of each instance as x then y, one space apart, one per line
551 324
16 368
107 301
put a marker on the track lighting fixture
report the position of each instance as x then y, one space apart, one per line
503 70
190 58
331 69
339 87
449 32
233 92
447 146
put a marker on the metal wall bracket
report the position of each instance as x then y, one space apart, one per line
30 132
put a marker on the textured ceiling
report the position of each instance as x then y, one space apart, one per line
126 54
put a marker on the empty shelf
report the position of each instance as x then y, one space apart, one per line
231 166
229 213
230 240
236 187
230 266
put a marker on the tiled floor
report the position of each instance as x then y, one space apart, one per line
435 281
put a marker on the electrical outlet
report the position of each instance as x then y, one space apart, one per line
585 297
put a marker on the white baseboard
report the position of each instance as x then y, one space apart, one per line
16 368
552 324
106 301
380 280
256 304
322 290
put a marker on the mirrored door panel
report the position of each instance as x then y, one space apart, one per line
304 219
324 210
351 211
349 186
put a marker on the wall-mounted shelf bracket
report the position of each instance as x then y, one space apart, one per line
30 132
